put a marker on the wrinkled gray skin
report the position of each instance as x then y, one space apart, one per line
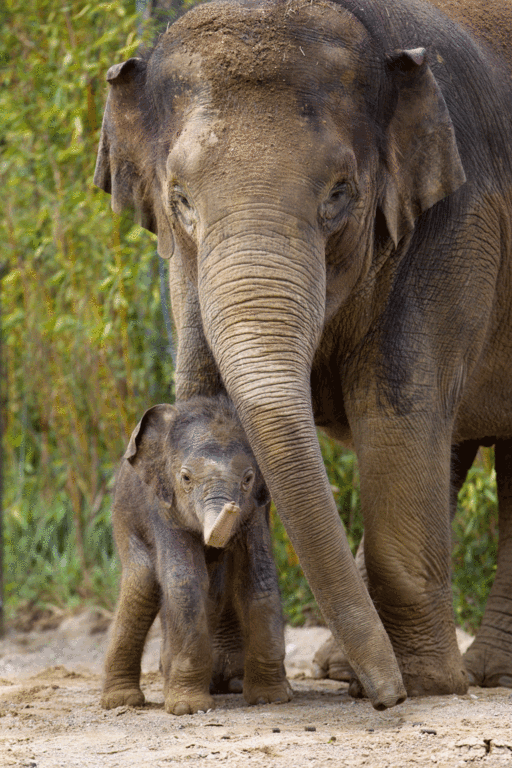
333 182
219 607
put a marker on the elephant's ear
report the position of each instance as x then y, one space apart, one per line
149 450
125 163
260 491
422 163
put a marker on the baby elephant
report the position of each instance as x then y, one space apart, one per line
190 519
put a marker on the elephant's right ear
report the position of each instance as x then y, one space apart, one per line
125 164
148 450
422 163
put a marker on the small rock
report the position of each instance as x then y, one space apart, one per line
310 728
276 730
431 731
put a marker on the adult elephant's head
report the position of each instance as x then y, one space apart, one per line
263 140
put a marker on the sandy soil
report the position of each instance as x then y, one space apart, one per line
50 715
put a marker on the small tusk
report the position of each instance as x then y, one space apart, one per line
217 532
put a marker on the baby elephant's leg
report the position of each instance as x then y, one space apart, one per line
228 651
186 648
259 606
136 610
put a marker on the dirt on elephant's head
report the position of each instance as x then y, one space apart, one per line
257 43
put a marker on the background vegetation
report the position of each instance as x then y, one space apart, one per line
84 340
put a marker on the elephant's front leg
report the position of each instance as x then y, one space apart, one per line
136 610
489 658
405 495
258 604
196 371
186 647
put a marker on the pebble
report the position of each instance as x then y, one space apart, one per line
310 728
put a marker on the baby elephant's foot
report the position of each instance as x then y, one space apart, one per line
127 697
278 692
181 702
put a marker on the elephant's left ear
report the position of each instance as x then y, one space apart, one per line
124 165
149 450
422 160
260 491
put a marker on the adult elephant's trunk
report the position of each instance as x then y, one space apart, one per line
262 296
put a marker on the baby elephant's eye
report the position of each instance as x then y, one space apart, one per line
248 480
186 478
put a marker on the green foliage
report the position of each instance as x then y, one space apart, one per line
47 561
475 534
84 343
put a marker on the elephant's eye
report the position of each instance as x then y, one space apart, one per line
336 202
248 480
186 479
183 209
339 191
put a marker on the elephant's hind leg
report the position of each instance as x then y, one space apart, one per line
228 654
258 605
137 608
489 659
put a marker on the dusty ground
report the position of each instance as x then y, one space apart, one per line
50 715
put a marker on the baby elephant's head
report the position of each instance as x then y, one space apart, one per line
196 457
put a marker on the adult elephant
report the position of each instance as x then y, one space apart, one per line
334 181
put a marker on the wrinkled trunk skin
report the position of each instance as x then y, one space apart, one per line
263 333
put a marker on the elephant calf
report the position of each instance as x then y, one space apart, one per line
190 520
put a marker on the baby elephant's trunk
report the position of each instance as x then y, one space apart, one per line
218 528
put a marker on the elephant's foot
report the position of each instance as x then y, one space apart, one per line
228 670
266 684
330 661
488 659
488 666
278 692
127 697
426 676
221 684
186 702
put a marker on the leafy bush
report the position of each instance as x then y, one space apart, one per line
475 534
84 342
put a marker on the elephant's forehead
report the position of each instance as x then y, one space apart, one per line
229 46
215 461
214 439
